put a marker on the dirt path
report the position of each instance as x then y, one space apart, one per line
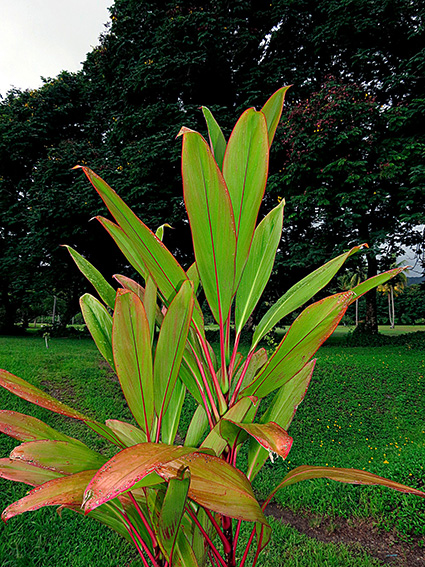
385 546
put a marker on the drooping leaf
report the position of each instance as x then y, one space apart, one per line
308 332
171 346
216 137
171 513
99 323
245 169
299 294
27 428
269 435
131 344
127 468
212 223
20 471
64 491
350 476
259 265
281 410
61 456
273 111
127 433
103 288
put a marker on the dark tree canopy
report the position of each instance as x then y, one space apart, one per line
155 65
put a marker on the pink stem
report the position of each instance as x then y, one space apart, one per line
245 555
145 563
206 536
212 559
144 520
257 553
235 539
140 540
241 378
234 353
219 393
207 387
226 544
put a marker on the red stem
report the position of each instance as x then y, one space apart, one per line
221 400
142 543
207 387
234 353
245 555
226 544
206 536
241 378
145 563
144 520
257 553
235 539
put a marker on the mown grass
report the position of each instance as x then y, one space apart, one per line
364 409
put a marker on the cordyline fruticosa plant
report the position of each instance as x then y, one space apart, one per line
184 504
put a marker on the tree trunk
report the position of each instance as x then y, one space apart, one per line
371 322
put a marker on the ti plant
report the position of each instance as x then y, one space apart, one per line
183 504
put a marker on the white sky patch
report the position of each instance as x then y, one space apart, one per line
44 37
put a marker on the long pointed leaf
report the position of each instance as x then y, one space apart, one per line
273 111
308 332
197 427
20 471
171 418
127 433
216 136
65 491
269 435
212 223
103 288
27 428
374 282
245 169
299 294
131 345
259 265
99 323
171 514
171 345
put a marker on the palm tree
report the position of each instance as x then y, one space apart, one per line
348 281
393 288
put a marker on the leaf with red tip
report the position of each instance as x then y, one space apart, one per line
273 111
20 471
212 223
374 282
281 410
27 428
245 169
350 476
126 468
65 491
269 435
308 332
60 456
131 345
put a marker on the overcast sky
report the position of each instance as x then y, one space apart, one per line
44 37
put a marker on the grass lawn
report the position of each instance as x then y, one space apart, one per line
364 409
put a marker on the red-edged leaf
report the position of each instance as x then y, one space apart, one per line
20 471
127 433
171 513
131 345
128 283
27 428
308 332
245 169
372 283
273 111
350 476
281 410
126 468
171 346
269 435
212 223
65 491
60 456
99 323
28 392
216 136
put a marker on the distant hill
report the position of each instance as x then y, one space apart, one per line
417 280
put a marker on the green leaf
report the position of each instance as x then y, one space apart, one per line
20 471
259 265
299 294
197 427
171 345
273 111
281 410
212 223
374 282
99 323
350 476
65 491
128 283
27 428
171 418
171 514
61 456
184 554
216 137
131 343
308 332
127 468
103 288
193 275
245 169
128 434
